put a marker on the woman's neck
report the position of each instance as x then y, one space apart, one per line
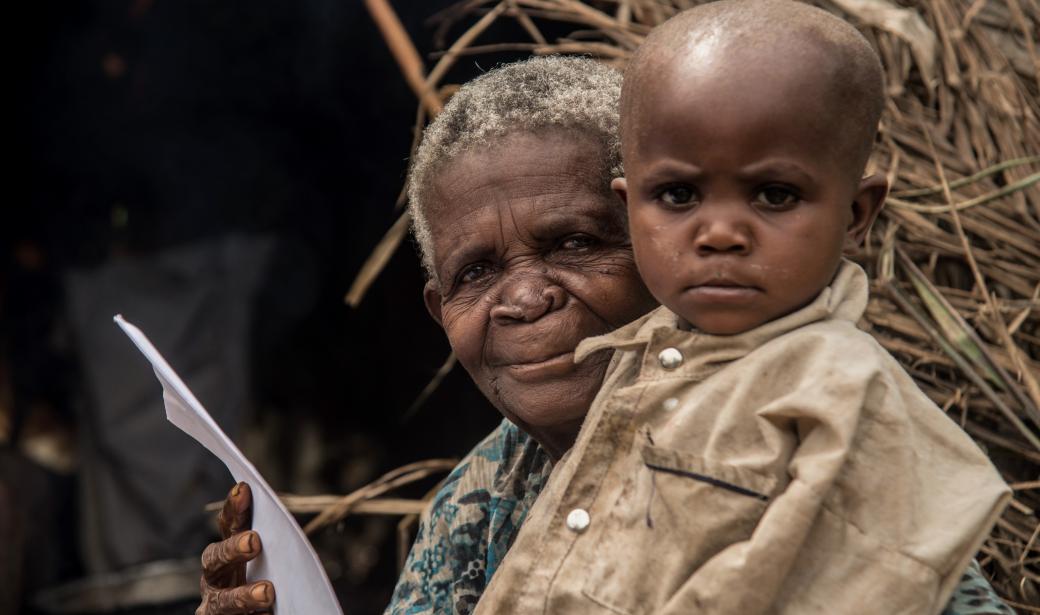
557 439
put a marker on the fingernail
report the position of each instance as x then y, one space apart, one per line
247 543
235 490
260 592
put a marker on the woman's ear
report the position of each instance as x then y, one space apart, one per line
432 298
620 187
867 204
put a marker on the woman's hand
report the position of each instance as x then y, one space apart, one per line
224 563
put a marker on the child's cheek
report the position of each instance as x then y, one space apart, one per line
654 257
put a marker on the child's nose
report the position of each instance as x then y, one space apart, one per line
722 235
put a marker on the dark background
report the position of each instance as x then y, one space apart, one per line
145 125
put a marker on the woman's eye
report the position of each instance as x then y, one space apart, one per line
677 195
472 273
577 242
776 197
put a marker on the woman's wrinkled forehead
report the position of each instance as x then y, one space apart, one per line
551 158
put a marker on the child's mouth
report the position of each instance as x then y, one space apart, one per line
716 292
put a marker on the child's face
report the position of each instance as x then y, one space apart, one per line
740 193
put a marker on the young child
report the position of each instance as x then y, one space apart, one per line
751 450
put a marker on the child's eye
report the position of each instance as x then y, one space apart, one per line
677 196
776 197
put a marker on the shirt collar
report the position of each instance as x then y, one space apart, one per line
844 299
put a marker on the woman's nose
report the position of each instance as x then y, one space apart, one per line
526 299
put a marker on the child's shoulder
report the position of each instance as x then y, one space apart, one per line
834 342
823 354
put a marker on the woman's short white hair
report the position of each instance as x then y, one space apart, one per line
570 93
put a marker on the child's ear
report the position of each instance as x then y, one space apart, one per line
432 298
870 197
620 187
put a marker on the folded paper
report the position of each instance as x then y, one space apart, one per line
288 560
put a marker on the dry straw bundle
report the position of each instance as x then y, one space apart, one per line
955 256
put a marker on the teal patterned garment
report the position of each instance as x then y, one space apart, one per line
477 513
471 524
975 596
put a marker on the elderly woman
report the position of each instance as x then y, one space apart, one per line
527 253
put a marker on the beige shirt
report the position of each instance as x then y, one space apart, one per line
794 468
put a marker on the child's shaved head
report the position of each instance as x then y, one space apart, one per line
745 129
729 39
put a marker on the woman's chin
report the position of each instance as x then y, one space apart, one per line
554 368
548 396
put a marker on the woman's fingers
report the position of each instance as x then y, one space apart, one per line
237 513
223 563
251 598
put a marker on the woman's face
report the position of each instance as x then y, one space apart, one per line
532 256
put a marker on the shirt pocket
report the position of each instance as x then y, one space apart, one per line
675 511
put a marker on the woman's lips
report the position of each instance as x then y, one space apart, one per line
552 367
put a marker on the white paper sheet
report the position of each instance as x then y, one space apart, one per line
288 560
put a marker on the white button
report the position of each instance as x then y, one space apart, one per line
670 404
670 358
578 519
